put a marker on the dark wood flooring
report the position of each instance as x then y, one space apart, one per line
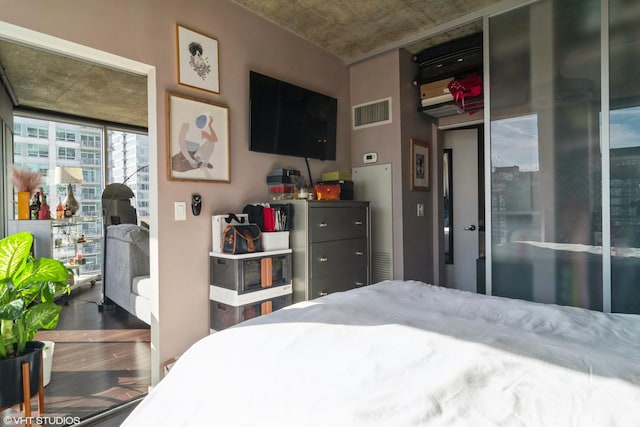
101 358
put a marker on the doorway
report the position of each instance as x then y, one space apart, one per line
463 198
55 46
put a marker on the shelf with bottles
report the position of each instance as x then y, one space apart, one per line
77 242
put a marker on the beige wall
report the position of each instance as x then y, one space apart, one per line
418 233
392 75
371 80
144 30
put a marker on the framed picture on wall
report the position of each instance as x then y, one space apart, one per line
198 140
420 172
197 60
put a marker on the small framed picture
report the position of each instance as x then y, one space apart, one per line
197 60
419 165
198 140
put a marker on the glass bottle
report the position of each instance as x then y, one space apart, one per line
59 209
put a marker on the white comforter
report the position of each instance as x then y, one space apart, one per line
408 354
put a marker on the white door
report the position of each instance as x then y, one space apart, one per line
464 190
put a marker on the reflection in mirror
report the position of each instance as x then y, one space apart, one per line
447 190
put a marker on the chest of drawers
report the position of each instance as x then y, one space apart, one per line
331 247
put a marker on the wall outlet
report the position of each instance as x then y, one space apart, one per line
420 209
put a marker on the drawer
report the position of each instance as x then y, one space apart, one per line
223 315
336 283
339 257
250 274
337 223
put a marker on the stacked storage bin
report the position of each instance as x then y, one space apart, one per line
249 285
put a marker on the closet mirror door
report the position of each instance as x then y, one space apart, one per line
624 143
546 191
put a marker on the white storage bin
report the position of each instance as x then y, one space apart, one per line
275 240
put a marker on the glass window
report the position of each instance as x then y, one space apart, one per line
37 150
66 153
127 166
65 135
91 140
34 131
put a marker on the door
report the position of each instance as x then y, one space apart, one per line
464 217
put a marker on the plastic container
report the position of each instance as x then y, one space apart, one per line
225 315
244 275
276 240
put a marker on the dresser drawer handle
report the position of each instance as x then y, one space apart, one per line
359 253
324 259
323 225
359 222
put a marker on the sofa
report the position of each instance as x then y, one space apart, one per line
126 269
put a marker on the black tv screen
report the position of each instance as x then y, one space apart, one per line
289 120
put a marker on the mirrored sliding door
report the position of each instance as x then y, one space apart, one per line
624 135
546 222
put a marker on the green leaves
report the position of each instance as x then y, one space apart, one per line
14 252
12 310
28 287
41 316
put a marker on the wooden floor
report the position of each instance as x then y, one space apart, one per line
101 359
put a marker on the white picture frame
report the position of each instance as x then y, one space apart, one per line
197 60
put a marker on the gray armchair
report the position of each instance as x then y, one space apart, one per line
126 269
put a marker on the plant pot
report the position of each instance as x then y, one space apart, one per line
24 210
47 360
11 374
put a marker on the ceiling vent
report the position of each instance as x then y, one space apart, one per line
372 113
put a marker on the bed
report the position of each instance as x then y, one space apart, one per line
404 353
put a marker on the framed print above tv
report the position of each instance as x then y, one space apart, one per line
197 60
198 140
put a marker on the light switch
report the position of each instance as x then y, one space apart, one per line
420 209
180 209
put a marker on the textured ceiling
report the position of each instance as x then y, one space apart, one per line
46 81
351 29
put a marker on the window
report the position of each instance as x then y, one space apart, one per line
90 157
66 153
17 129
65 135
90 175
127 157
37 150
91 140
34 131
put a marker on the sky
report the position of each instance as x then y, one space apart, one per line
514 141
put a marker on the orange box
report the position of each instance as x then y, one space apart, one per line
328 191
435 89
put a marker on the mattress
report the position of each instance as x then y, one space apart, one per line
404 353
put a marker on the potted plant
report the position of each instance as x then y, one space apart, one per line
28 287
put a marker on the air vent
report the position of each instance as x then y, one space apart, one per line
372 113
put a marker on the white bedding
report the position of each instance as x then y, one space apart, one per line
407 354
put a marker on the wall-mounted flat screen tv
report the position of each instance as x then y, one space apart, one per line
290 120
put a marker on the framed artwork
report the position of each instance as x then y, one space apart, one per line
198 140
419 165
197 60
